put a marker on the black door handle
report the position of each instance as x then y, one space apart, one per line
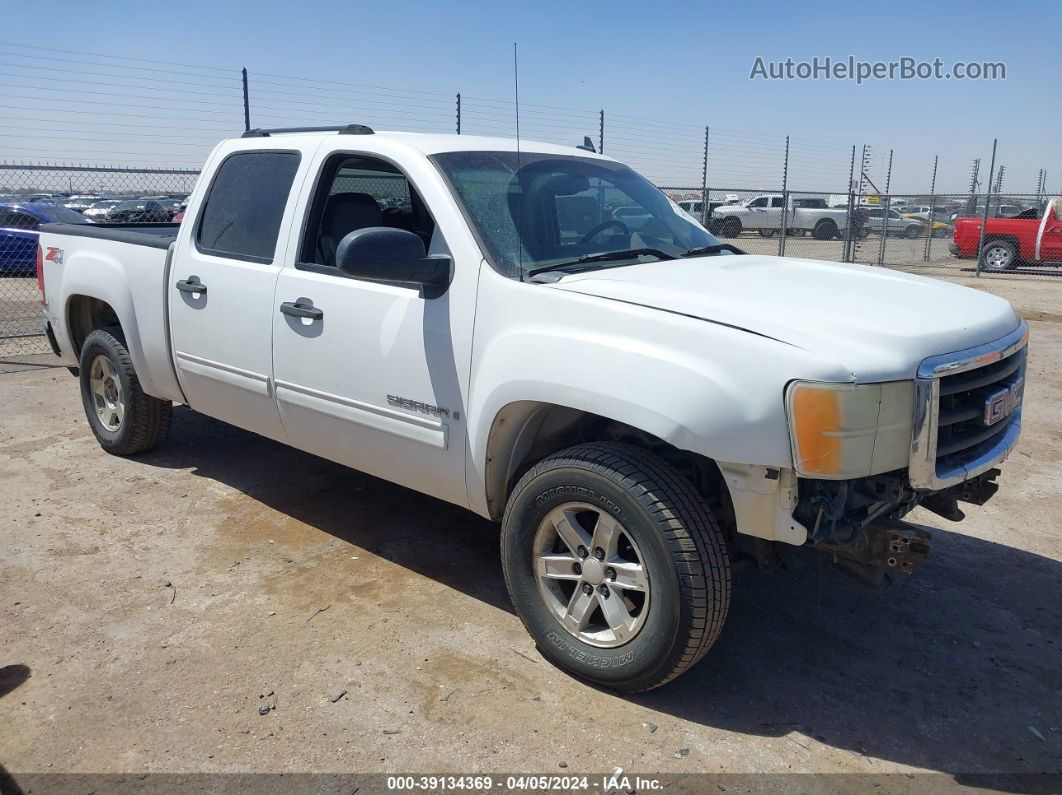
297 309
191 285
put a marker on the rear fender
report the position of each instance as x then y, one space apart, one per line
100 275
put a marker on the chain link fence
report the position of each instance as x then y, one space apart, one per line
791 196
34 194
911 232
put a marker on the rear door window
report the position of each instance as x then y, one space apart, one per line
242 212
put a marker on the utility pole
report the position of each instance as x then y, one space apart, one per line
885 212
999 179
932 207
704 181
975 169
846 250
784 230
984 216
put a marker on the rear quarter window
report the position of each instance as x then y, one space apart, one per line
243 209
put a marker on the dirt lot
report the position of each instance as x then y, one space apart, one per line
151 606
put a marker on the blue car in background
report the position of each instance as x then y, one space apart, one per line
18 234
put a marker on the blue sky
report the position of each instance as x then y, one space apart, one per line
661 72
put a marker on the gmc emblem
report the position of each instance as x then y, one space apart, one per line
1001 404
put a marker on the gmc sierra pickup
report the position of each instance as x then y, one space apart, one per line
639 408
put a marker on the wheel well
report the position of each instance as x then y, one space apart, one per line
85 315
1005 238
525 432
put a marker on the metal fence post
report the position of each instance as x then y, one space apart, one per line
458 112
984 216
932 205
601 132
885 213
846 249
246 103
784 230
704 182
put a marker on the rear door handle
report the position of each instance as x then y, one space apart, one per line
191 285
298 309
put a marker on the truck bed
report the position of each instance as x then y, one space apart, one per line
125 266
153 235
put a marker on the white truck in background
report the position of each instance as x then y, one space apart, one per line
767 213
639 409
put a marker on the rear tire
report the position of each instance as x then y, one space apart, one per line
124 419
999 255
912 232
825 229
606 521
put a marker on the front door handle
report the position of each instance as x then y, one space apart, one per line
191 285
298 309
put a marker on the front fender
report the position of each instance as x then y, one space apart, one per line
702 387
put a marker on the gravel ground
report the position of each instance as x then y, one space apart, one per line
228 604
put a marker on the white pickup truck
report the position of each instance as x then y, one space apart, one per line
765 214
640 410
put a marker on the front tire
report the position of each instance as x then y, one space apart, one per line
731 227
124 419
615 566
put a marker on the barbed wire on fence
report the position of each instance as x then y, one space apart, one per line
157 121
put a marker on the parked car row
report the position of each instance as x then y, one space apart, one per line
107 209
19 225
22 215
812 215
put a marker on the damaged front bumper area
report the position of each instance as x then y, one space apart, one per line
859 523
967 419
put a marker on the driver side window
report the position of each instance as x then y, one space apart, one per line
760 202
358 192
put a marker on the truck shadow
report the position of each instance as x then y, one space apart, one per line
389 521
956 669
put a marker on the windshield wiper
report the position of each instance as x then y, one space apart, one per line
701 251
604 256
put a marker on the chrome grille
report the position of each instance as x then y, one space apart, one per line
967 411
962 425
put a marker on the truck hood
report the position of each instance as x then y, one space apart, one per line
876 323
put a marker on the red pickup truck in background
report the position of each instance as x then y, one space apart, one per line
1029 238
